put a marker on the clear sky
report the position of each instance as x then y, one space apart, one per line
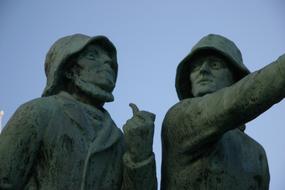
151 37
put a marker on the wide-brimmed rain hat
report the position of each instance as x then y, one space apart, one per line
63 49
215 43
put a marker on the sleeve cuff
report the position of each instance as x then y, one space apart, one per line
131 164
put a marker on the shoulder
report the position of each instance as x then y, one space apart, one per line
34 112
175 118
177 109
29 117
251 144
255 153
256 145
178 112
42 105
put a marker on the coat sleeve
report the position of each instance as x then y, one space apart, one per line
194 122
19 143
139 176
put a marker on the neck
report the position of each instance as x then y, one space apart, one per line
81 97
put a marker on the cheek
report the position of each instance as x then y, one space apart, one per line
88 74
192 77
229 79
224 79
192 84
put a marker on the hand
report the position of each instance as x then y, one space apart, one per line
139 132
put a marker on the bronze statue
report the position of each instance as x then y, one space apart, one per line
66 139
203 140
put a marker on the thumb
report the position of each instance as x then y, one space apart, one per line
135 109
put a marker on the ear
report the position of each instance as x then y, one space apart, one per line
68 74
71 69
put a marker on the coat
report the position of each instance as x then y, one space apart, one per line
56 142
203 147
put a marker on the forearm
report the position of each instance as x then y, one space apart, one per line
256 93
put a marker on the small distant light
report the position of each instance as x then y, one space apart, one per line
1 115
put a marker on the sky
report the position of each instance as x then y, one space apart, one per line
151 38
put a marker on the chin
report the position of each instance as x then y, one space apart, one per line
96 91
107 87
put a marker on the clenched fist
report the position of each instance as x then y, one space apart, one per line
139 132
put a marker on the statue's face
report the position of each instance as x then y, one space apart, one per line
95 67
93 74
208 74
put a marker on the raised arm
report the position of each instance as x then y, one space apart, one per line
139 160
195 122
19 143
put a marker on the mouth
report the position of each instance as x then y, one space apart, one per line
204 80
106 71
109 77
107 74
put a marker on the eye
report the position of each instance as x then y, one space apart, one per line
215 64
90 55
110 63
195 67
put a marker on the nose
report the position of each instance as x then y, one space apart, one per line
106 57
108 66
106 60
108 63
205 67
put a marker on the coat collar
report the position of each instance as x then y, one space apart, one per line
108 133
